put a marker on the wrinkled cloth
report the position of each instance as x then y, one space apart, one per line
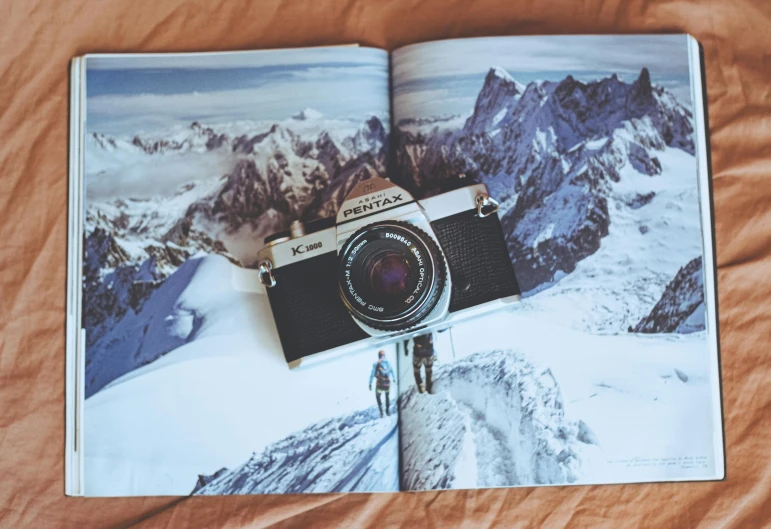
38 39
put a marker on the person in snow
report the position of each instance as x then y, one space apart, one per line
423 355
381 370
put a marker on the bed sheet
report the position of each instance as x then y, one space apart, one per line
38 39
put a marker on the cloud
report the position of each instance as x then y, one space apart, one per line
340 72
150 176
430 103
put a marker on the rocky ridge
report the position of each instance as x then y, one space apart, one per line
546 147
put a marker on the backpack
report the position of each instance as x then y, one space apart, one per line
382 376
423 346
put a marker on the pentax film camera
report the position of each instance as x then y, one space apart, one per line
387 268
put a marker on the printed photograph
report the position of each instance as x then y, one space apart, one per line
190 162
602 372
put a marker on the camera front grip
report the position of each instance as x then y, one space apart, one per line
475 248
309 314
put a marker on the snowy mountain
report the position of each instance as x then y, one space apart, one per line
654 228
308 113
681 307
353 452
118 277
552 153
496 101
157 199
493 420
228 182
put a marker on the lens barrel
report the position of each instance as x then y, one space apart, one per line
391 275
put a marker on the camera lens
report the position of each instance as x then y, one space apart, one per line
391 275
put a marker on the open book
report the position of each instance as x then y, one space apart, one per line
181 164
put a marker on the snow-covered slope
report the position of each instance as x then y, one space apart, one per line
358 452
654 228
119 274
196 301
645 396
493 420
221 394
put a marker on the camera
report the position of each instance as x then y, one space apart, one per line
388 267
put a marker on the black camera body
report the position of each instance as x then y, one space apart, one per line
388 267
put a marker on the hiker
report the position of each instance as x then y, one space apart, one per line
423 355
381 370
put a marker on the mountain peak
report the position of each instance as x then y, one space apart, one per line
645 77
642 89
497 71
307 114
498 95
498 76
568 86
375 130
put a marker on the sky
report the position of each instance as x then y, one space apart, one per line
443 78
130 94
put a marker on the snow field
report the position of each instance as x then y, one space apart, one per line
215 400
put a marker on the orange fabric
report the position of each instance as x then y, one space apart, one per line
38 38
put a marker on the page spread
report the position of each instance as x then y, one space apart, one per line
605 371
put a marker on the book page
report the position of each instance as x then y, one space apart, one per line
605 371
190 162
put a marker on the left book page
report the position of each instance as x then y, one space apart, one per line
188 162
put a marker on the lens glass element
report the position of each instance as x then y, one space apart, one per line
389 273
